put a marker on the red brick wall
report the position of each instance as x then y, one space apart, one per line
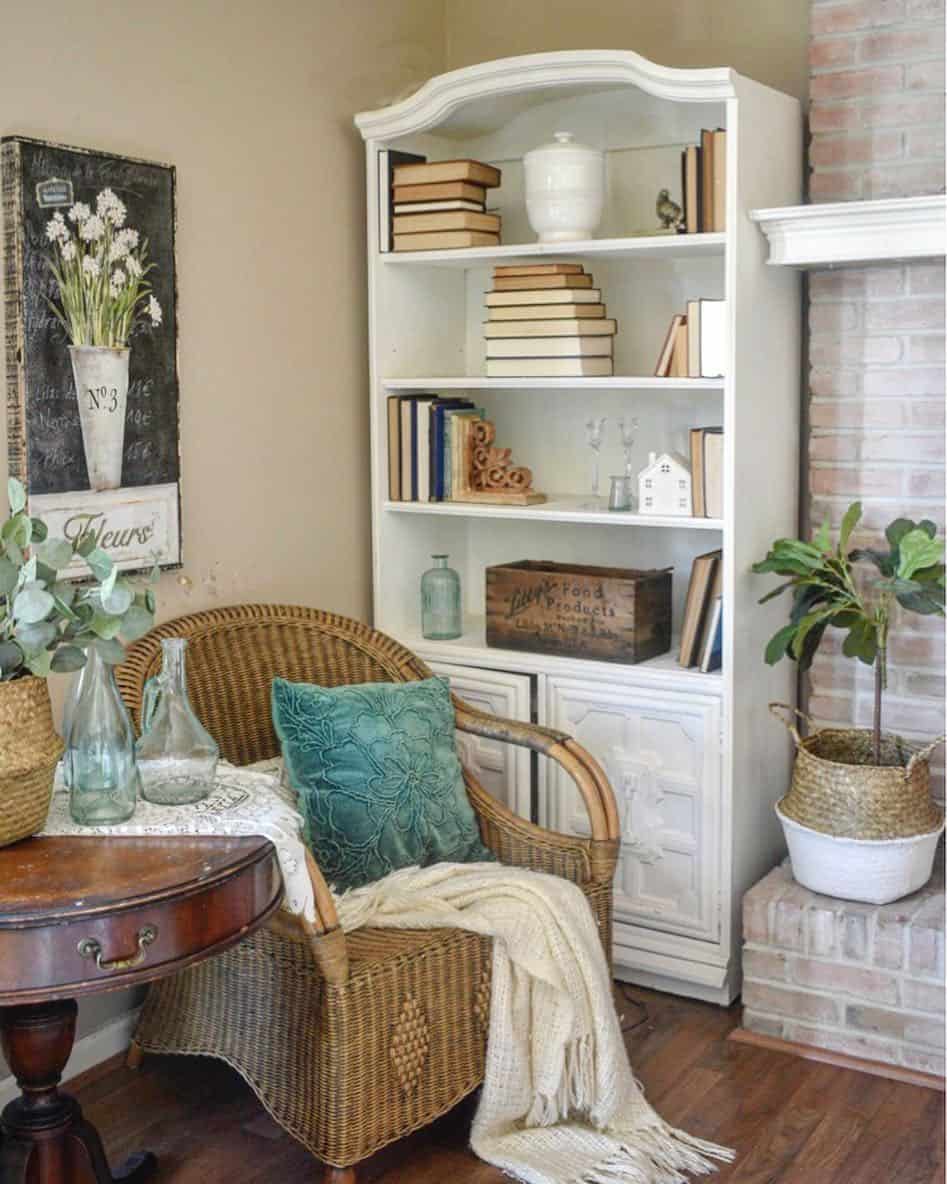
876 381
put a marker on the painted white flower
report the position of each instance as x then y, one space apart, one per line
154 311
56 229
129 237
90 268
117 281
133 267
110 207
68 250
92 229
79 212
123 242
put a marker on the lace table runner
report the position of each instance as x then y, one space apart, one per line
243 802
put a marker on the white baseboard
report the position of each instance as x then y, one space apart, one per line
89 1050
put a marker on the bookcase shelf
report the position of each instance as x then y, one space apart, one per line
559 508
695 760
616 383
661 246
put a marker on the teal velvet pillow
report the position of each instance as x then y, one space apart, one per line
378 779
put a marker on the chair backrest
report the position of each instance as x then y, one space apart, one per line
233 655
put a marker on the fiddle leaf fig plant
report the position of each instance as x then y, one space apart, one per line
48 621
835 586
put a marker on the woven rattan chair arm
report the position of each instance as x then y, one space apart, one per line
582 767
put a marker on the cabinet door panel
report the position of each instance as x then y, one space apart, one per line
501 769
661 751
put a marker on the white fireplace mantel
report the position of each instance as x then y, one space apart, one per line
843 233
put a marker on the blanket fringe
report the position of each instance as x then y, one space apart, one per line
660 1156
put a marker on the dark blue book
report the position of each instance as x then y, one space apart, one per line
437 442
712 657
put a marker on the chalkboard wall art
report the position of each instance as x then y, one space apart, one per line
91 345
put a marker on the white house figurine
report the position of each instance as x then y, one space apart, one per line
664 485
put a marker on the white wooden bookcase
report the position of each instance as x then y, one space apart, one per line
695 759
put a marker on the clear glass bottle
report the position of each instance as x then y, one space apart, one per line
100 749
68 714
441 617
177 756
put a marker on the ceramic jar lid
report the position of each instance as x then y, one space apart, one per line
563 147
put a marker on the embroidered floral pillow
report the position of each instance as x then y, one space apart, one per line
377 776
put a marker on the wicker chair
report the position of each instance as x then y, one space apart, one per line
350 1042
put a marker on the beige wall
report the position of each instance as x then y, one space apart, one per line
253 103
763 39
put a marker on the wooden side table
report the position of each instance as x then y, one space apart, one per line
81 915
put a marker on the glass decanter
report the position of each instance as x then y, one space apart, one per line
100 749
177 756
441 618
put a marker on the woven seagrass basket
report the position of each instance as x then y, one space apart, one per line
838 790
29 753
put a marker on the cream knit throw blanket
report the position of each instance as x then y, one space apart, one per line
559 1104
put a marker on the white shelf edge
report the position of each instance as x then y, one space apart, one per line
472 649
666 245
618 383
433 102
559 508
847 232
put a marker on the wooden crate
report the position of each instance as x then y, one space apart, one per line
608 614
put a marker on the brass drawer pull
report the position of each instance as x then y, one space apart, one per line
90 948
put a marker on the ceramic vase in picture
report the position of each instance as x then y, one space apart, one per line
101 377
441 614
565 189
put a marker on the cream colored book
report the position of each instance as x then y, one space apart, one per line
449 191
445 240
603 327
554 296
438 171
539 269
532 312
549 367
519 283
550 347
453 220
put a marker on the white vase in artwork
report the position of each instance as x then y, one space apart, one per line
565 189
101 377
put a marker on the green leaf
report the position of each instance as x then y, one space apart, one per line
16 495
39 663
14 552
11 657
111 652
150 602
823 537
68 658
32 638
57 553
929 528
136 622
8 576
861 642
813 639
928 602
119 598
805 625
40 530
100 563
897 529
850 520
776 592
85 545
32 605
778 644
918 550
104 626
883 560
65 591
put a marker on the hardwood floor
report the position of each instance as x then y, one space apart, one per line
791 1121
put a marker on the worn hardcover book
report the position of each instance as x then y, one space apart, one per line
720 180
439 171
438 207
550 347
696 441
459 220
712 657
445 240
520 283
394 448
529 312
679 353
548 296
549 367
713 473
695 606
600 327
449 191
706 180
663 367
693 339
691 186
538 269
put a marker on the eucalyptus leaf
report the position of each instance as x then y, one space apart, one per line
136 622
8 576
100 563
40 663
105 627
13 552
118 599
111 652
11 658
40 531
31 605
85 545
57 553
68 658
16 495
32 638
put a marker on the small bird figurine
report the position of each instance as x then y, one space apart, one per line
668 211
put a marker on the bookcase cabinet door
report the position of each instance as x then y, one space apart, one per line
500 768
661 750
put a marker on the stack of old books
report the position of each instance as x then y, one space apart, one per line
704 183
442 205
546 320
695 345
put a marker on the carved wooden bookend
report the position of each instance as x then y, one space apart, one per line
493 476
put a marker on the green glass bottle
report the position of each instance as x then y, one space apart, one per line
441 616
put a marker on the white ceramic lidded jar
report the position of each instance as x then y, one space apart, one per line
565 189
